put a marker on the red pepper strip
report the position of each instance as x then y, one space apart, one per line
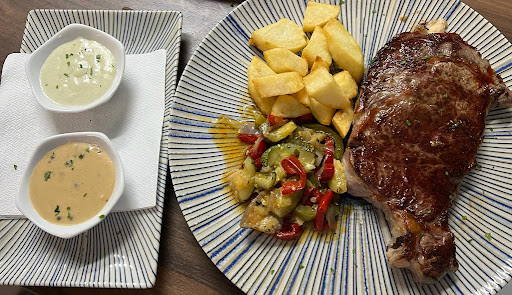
292 166
248 138
257 163
303 119
306 196
256 154
260 149
275 120
322 208
318 196
289 231
326 172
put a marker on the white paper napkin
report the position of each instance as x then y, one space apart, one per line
132 119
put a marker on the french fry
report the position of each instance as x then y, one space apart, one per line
317 47
302 97
322 113
288 107
346 83
344 49
321 85
282 34
318 14
342 120
279 84
257 69
283 60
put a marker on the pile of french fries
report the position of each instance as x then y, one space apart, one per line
291 86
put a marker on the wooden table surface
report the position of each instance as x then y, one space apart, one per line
183 267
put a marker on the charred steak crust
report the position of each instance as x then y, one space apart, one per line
418 123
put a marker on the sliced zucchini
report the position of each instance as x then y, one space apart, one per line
281 133
265 180
306 213
338 183
307 159
242 181
280 204
273 155
338 141
280 173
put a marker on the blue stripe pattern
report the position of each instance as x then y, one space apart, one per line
122 251
351 261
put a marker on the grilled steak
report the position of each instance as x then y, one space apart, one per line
418 123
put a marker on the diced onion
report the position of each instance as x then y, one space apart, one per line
248 128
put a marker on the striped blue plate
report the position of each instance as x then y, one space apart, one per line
122 251
352 260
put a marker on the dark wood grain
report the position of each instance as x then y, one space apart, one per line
183 266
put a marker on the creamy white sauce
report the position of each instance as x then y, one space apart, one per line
78 72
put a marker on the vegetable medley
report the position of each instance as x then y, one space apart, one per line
291 175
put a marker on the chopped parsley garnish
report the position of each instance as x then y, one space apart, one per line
488 236
408 123
374 11
353 251
87 149
47 175
445 95
342 2
98 57
301 266
57 211
101 216
446 173
428 211
464 217
81 156
333 270
56 86
404 61
305 37
67 75
85 195
91 71
69 215
15 167
426 57
272 272
491 129
69 63
69 163
81 66
68 208
478 166
451 197
67 56
470 240
455 125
